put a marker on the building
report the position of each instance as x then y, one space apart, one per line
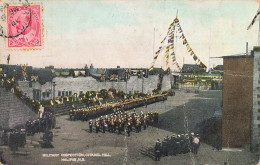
191 68
49 82
241 100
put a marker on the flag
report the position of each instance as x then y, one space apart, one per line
171 40
195 57
182 36
166 54
163 41
8 59
254 19
34 78
52 70
180 30
171 35
176 20
167 61
155 57
203 66
170 32
151 67
184 41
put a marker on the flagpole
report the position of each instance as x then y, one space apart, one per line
153 39
259 33
209 50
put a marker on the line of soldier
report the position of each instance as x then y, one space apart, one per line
96 111
47 122
177 144
122 121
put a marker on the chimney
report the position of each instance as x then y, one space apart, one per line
246 48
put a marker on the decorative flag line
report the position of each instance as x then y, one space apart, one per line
169 48
254 19
189 49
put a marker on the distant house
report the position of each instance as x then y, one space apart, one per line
191 68
219 67
46 83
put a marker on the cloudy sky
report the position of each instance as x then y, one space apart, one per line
109 33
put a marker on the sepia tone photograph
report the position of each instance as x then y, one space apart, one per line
120 82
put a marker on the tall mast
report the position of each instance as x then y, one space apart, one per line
153 39
209 50
259 32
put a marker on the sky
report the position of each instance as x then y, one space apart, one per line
108 33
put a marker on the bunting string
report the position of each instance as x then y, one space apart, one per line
169 48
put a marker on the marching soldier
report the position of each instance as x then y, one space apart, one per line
97 126
5 137
172 146
90 126
104 126
128 128
196 142
191 137
164 147
157 150
178 145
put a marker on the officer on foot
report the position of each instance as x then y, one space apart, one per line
196 142
164 147
90 126
97 126
157 150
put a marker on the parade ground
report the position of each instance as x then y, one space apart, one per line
73 144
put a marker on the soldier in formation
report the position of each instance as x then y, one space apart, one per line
90 126
178 144
157 150
121 121
96 111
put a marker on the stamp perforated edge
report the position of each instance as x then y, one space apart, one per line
42 30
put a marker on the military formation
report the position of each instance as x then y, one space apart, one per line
94 112
177 144
121 121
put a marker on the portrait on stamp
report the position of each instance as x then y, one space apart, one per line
129 82
25 23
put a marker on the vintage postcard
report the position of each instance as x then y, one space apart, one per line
129 82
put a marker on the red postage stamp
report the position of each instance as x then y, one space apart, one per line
24 25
